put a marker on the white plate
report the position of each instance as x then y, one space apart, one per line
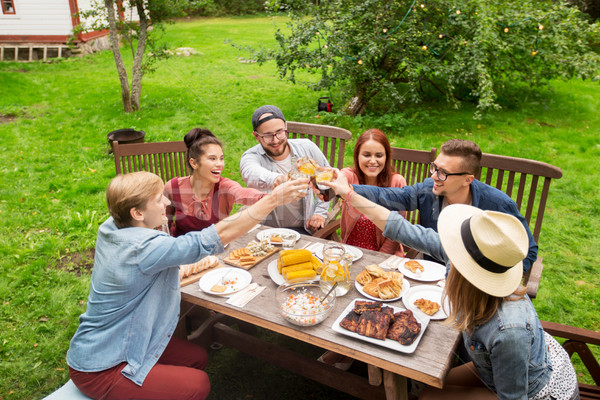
211 278
429 292
274 273
405 288
355 251
276 276
267 233
432 271
389 343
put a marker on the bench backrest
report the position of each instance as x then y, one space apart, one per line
330 139
527 182
165 159
414 166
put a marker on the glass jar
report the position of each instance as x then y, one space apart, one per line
335 269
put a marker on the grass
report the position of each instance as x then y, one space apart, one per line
54 168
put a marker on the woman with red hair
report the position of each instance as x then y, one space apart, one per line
372 166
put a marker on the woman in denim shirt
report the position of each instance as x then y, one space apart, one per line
123 348
512 357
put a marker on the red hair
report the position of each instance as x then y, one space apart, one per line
385 176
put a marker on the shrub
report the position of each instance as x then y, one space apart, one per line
469 50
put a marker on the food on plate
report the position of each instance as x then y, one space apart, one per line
297 264
218 288
427 306
364 277
276 238
414 266
304 274
389 289
372 319
376 271
405 328
380 283
197 267
292 257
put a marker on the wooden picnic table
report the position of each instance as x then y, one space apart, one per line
388 369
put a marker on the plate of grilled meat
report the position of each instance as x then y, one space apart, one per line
388 326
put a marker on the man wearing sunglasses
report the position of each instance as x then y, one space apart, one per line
452 182
267 165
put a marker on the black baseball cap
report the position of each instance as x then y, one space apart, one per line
273 110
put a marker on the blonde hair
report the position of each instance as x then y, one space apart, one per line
470 306
129 191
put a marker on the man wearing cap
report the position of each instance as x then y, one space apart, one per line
267 165
452 182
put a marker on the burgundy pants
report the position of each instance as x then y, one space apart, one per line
178 375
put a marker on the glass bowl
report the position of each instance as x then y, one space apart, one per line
299 303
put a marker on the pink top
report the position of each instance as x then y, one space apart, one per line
229 193
350 217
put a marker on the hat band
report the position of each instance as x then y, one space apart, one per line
475 253
265 119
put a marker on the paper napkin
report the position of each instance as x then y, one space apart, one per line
244 296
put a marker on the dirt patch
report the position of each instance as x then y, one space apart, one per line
6 119
77 263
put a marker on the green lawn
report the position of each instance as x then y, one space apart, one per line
54 166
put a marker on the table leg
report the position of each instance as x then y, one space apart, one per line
396 386
375 378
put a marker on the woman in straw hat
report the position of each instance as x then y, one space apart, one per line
512 357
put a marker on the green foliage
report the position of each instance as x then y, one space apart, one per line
469 50
217 8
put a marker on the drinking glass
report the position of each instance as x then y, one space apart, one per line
288 241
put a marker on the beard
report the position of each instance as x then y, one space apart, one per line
273 154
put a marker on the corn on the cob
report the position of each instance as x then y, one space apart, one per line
303 274
296 267
291 257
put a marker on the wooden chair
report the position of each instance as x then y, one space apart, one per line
165 159
330 139
527 182
577 341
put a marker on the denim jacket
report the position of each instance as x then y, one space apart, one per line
510 352
259 172
133 305
420 197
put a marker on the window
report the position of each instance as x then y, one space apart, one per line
8 6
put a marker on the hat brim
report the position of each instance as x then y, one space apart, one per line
495 284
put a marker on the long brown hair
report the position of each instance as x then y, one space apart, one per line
470 306
385 176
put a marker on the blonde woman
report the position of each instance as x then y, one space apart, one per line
123 348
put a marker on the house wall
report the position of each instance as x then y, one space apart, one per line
37 17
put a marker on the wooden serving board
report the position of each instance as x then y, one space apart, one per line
196 277
236 263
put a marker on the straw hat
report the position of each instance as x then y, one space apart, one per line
486 247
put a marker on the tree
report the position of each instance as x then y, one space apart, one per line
136 33
468 50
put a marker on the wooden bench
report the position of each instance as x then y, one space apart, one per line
527 182
577 341
165 159
330 139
